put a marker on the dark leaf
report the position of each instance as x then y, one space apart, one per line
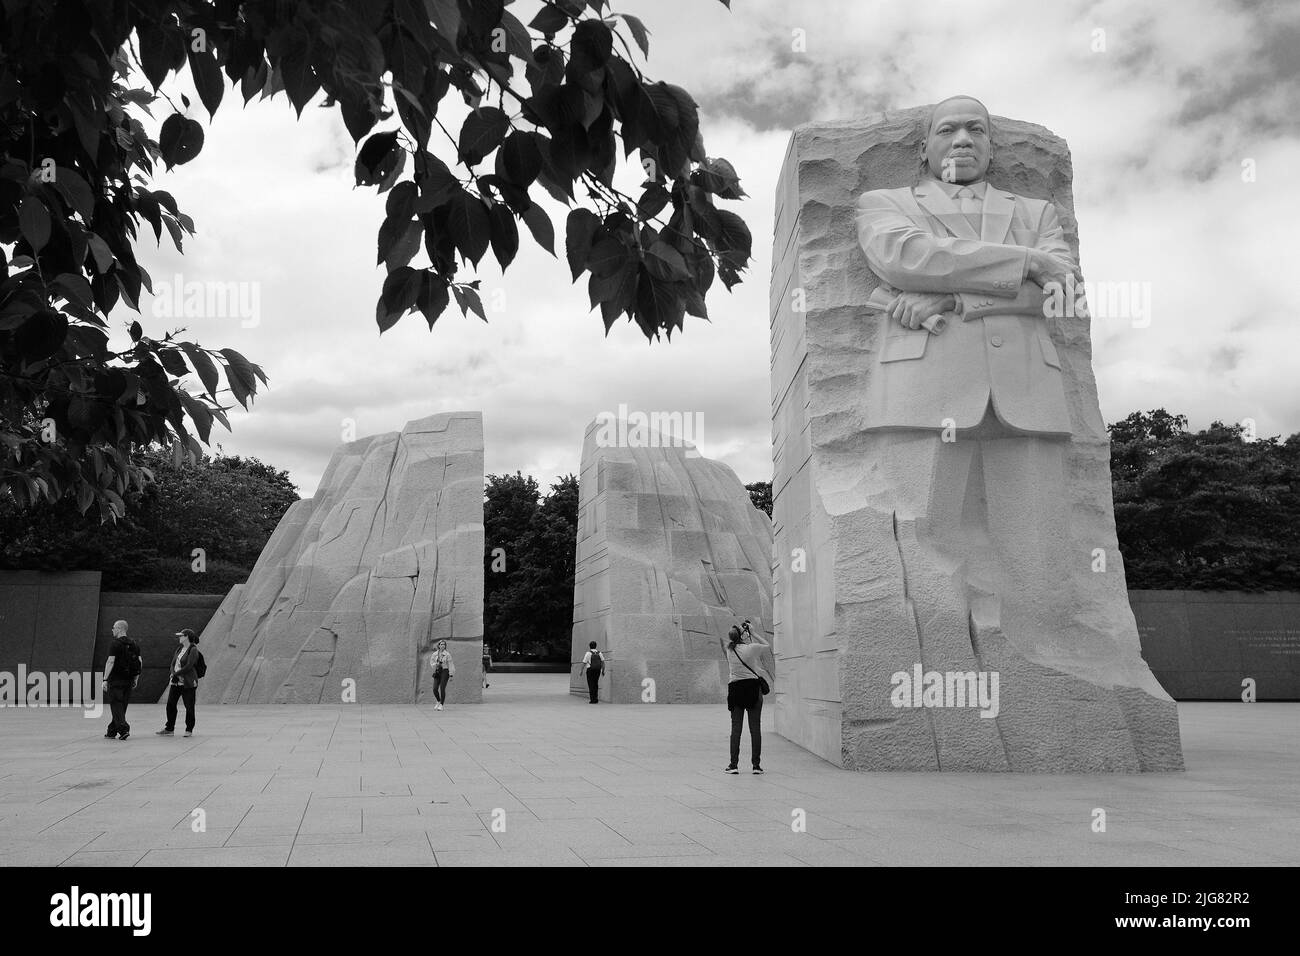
652 201
41 335
171 360
519 159
733 240
180 140
399 296
639 32
579 229
590 47
482 132
666 263
34 221
550 20
208 79
242 376
432 298
657 305
75 192
401 201
505 234
199 414
468 300
376 158
204 366
539 224
471 229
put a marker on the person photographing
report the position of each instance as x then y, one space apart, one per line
749 679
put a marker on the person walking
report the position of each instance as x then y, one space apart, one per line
184 683
748 681
444 669
121 675
593 665
487 664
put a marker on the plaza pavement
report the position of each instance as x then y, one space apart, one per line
576 785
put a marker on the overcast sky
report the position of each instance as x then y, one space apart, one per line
1160 123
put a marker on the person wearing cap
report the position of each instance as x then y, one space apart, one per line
184 681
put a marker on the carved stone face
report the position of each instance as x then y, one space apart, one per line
958 147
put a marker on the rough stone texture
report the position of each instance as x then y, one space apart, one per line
850 621
360 581
671 552
1202 644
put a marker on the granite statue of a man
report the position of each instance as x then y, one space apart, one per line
940 458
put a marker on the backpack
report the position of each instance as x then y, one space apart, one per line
201 668
134 663
597 665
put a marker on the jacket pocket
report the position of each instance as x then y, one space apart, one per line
900 346
1050 355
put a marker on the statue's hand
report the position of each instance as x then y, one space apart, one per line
1045 268
910 309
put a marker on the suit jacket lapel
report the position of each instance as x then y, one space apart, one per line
936 202
999 207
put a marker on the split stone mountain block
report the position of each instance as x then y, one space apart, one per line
671 552
881 591
360 581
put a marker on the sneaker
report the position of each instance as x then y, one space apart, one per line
190 733
164 732
437 706
111 736
758 770
124 736
731 769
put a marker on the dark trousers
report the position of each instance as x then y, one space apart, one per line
440 679
755 734
593 684
119 697
186 694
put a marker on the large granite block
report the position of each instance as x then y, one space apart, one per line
884 558
361 581
670 553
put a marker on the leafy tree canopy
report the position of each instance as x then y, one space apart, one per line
550 103
529 563
1206 510
226 506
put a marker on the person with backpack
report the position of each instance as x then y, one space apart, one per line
749 680
593 665
187 667
444 669
121 675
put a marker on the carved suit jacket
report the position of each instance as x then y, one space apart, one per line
999 348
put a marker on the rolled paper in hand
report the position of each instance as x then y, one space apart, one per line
934 324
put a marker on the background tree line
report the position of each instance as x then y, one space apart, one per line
226 505
1197 510
528 566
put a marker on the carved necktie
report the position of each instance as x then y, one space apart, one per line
971 207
